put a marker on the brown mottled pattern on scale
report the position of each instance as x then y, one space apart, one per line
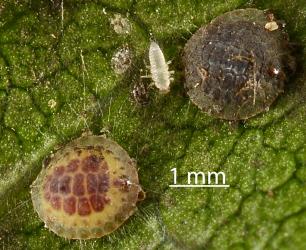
97 202
64 185
78 185
56 202
103 183
54 185
88 188
83 206
73 165
70 205
92 183
91 163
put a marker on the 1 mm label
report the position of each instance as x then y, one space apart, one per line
201 179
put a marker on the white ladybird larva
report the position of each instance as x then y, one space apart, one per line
159 68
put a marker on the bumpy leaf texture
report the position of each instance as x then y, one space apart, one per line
57 81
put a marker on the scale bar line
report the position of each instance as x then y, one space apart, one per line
198 185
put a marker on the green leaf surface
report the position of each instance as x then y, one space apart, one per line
57 81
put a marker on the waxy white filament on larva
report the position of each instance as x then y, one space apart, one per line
159 68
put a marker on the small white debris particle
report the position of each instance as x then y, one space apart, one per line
275 71
52 103
283 24
120 24
121 60
271 26
196 85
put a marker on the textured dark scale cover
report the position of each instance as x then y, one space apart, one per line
235 67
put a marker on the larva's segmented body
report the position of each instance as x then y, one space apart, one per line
159 68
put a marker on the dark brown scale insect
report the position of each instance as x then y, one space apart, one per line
236 66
